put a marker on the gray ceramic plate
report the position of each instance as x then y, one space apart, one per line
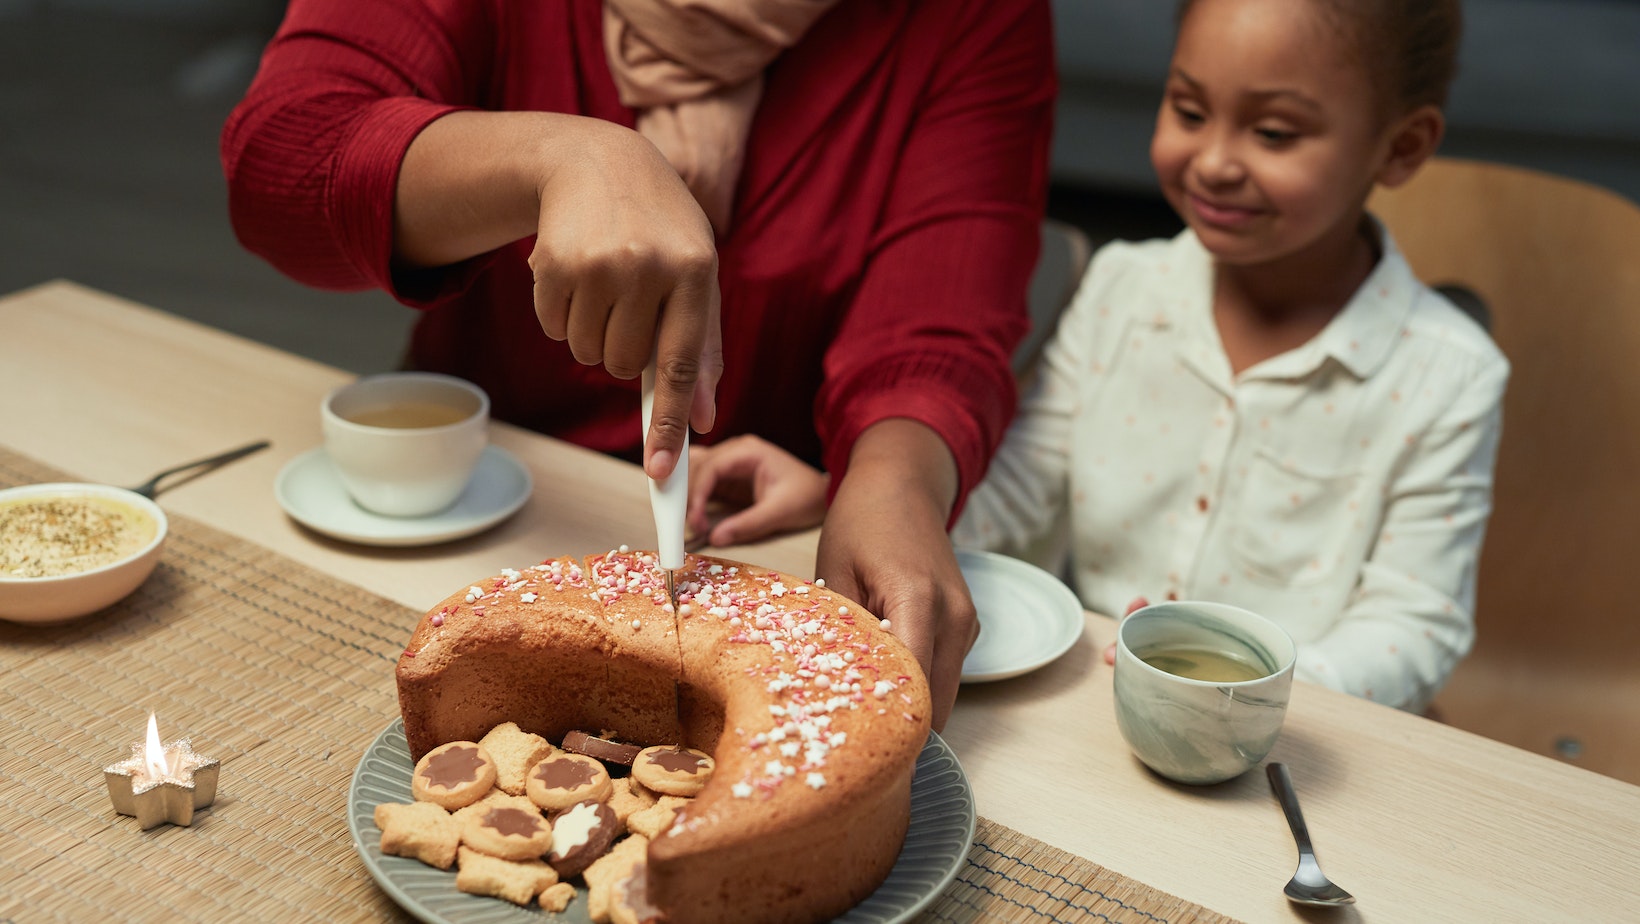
942 829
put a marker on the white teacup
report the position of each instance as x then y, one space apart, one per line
1201 730
405 444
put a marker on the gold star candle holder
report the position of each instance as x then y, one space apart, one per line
161 783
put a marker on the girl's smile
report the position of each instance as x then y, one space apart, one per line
1226 216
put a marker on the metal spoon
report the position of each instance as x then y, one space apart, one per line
1309 886
151 487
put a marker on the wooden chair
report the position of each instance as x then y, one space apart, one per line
1556 663
1066 250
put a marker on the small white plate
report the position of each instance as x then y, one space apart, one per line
1027 617
312 493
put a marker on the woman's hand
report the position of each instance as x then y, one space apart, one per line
624 262
884 544
773 490
626 272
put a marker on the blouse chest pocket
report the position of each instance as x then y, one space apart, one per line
1292 526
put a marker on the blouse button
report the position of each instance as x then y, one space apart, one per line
1201 503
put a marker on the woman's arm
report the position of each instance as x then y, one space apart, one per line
883 543
356 157
312 152
941 305
918 381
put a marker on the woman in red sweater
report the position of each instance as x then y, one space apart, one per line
565 188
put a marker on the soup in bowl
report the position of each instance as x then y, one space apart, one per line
68 549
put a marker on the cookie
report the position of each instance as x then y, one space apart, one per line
581 834
494 798
453 775
517 881
657 818
514 751
420 830
629 899
609 869
605 749
556 897
628 795
509 832
673 771
564 779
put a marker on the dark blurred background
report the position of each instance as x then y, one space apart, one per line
110 112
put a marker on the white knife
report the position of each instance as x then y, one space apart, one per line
668 497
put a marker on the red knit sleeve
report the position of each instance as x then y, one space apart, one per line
312 152
942 303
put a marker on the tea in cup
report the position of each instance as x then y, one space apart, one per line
1201 688
405 444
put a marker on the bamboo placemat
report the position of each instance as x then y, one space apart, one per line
285 675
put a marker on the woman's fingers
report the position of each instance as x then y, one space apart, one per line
688 324
703 410
775 513
705 473
588 317
629 335
553 294
775 490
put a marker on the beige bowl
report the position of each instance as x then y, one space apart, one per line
125 533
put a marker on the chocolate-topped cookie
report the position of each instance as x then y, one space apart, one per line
581 834
673 770
564 779
453 775
511 830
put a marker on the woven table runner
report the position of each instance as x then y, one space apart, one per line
285 675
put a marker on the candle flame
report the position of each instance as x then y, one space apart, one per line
153 753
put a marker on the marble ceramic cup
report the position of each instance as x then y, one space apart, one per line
1201 731
405 444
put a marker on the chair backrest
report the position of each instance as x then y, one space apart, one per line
1066 250
1557 264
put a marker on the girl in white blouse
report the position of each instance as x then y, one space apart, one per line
1268 410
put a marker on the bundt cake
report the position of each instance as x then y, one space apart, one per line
813 712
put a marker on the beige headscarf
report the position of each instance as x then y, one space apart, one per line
694 70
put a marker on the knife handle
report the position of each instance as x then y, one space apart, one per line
669 496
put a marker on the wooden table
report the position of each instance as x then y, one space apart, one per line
1421 821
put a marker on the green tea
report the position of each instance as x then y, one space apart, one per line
1207 664
409 416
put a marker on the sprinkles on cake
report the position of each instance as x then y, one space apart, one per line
817 664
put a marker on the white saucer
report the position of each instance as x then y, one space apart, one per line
311 492
1027 617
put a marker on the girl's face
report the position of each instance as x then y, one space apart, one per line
1268 140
